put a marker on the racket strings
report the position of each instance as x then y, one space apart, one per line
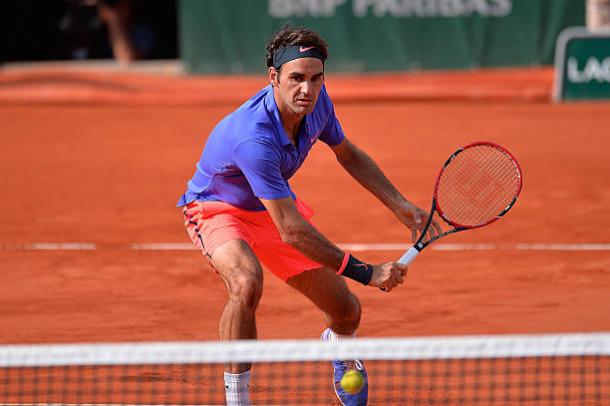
477 185
491 171
471 211
482 193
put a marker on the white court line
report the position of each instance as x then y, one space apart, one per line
354 247
49 246
564 247
162 246
374 247
483 247
91 404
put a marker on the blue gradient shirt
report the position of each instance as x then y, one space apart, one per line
248 155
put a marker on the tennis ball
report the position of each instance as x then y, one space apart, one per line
352 382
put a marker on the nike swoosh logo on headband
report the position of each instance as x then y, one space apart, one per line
303 49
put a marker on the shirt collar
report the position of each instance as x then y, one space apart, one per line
271 107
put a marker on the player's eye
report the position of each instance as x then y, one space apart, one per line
317 78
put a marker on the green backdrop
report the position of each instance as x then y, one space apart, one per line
586 68
229 36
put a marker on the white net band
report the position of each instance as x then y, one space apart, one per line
461 347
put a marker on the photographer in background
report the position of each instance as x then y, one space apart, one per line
127 39
117 15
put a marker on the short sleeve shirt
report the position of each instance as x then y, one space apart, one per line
248 156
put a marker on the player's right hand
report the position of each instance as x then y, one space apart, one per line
388 275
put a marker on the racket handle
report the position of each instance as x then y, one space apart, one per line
408 256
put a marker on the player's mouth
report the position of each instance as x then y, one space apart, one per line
304 102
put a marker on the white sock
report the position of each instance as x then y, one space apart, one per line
332 336
237 389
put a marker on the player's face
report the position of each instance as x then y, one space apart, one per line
299 84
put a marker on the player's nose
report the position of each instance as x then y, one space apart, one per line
306 88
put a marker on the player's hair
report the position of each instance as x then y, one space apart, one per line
290 35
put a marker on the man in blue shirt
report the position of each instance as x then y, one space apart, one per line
240 211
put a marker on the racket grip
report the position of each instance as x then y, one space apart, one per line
408 256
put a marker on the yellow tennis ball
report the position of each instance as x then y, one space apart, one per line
352 382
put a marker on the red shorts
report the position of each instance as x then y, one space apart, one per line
211 224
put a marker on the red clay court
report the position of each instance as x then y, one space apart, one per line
93 163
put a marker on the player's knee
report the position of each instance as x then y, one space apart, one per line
246 290
349 312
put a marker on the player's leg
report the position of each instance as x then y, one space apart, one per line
342 311
224 239
243 276
324 287
240 270
329 292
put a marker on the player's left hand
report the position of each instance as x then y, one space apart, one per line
388 275
415 219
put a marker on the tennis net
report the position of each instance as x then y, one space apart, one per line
465 370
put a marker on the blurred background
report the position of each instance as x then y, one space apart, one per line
105 106
217 36
56 30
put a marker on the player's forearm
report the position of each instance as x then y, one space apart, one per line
307 239
366 172
300 234
310 242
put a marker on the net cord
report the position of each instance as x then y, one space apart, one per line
461 347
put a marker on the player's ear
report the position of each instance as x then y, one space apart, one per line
274 76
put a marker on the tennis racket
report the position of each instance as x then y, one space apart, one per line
477 185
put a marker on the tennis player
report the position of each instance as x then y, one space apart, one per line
240 211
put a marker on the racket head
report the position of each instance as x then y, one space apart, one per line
477 185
